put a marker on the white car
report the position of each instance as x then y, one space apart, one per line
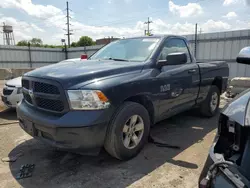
12 92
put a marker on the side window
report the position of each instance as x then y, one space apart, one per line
174 45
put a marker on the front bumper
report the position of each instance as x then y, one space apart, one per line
211 159
77 131
12 99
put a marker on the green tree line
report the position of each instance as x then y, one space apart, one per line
36 42
83 41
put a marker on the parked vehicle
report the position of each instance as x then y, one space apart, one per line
228 163
237 85
12 92
114 97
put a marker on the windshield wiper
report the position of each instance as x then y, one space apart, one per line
116 59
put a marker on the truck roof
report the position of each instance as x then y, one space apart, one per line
157 36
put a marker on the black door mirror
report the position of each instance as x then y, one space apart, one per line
244 56
176 58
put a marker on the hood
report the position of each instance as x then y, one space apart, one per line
70 61
16 82
70 74
236 109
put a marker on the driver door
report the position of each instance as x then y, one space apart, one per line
180 82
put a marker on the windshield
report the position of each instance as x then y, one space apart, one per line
137 49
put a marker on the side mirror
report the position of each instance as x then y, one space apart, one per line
244 56
84 56
177 58
162 63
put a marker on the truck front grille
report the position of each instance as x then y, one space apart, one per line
27 98
54 105
44 94
25 84
7 91
45 88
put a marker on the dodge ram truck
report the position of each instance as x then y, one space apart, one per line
112 99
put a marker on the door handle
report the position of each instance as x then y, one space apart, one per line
191 71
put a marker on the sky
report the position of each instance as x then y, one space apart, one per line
46 19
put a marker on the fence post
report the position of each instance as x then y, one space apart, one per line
30 55
85 51
66 51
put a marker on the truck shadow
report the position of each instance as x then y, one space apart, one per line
8 114
61 169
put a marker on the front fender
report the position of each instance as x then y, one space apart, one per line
236 109
120 88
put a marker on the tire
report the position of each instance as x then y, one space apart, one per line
206 108
117 133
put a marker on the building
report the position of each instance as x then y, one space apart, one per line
104 41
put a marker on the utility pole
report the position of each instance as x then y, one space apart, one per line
3 32
68 30
200 30
148 23
195 41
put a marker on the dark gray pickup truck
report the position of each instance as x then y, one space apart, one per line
112 99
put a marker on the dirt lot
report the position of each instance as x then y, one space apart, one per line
154 167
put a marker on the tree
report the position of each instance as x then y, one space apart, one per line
73 44
33 42
36 42
85 41
23 43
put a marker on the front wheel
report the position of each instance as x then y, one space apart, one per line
211 105
128 131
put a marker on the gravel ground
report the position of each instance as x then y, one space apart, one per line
153 167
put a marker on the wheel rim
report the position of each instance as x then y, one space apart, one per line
133 131
214 101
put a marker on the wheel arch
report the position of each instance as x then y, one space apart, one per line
218 82
145 101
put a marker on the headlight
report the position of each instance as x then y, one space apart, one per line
247 115
87 100
19 90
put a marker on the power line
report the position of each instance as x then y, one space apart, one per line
199 1
116 22
41 20
110 24
158 10
61 11
48 18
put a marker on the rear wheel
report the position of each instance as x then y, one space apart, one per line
128 131
211 105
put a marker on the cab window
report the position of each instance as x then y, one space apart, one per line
174 45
